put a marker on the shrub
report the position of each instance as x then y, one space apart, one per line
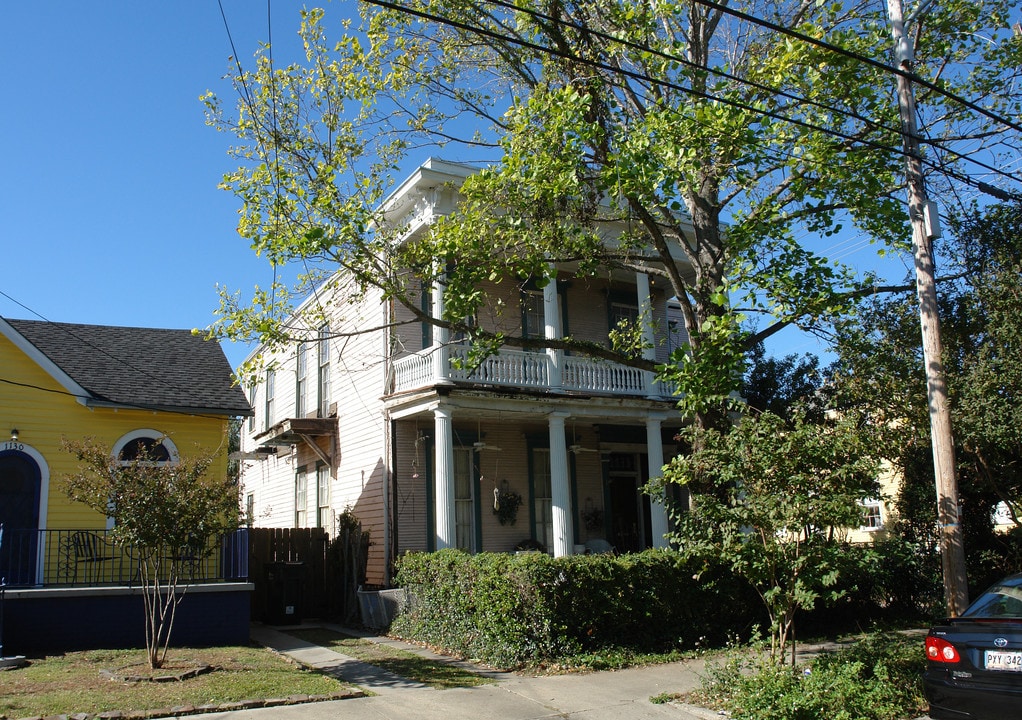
510 610
876 678
892 581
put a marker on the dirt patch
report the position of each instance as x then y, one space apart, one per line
176 671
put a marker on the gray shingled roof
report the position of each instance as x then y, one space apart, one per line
140 367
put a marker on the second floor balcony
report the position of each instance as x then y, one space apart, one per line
521 369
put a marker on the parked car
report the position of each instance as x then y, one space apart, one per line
974 662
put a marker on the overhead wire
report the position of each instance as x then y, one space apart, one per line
774 91
487 32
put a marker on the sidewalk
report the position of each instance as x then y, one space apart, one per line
611 695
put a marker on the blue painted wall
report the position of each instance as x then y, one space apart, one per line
40 622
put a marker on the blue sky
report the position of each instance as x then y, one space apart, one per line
109 207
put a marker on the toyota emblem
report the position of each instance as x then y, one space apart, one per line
1001 642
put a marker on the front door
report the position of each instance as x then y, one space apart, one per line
20 482
629 506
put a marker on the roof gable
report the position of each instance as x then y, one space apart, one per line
149 368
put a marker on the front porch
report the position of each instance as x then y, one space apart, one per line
80 558
63 590
578 466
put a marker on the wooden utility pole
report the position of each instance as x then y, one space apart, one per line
924 218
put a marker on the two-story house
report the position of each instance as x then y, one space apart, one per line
398 426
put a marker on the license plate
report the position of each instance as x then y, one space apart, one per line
999 660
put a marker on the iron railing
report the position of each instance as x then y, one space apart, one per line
91 558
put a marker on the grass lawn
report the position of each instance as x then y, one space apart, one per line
437 674
73 683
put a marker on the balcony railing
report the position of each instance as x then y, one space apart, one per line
516 368
91 558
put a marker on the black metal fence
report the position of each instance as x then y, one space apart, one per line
89 558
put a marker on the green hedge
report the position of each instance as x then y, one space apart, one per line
509 610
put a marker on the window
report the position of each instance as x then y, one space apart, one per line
271 378
252 392
144 448
533 317
145 443
323 496
324 370
464 505
249 509
542 497
302 372
301 499
872 517
620 312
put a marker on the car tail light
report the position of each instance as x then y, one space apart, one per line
940 650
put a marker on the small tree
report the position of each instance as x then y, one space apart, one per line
766 498
165 512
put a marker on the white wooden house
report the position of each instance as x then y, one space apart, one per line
385 425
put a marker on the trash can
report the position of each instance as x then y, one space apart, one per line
285 592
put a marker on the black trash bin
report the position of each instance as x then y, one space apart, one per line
285 592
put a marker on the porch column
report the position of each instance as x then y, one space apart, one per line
657 508
552 329
441 335
645 304
446 533
559 487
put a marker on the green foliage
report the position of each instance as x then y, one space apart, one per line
505 506
878 373
892 582
167 513
767 496
613 140
510 610
875 678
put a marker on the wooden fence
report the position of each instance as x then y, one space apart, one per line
298 573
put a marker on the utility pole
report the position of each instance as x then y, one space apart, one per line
924 218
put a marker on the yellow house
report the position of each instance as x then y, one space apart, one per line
123 387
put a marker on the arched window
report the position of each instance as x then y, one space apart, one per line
146 443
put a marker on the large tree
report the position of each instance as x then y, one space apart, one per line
722 133
981 319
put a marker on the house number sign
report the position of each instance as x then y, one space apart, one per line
12 445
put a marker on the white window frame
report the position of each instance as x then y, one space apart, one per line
872 508
302 405
323 496
464 503
301 499
270 399
323 375
542 505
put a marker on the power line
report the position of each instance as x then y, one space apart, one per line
912 77
734 78
63 327
486 32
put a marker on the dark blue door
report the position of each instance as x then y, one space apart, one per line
20 482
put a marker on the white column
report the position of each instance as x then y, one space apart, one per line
657 509
440 334
645 304
559 487
446 534
552 328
